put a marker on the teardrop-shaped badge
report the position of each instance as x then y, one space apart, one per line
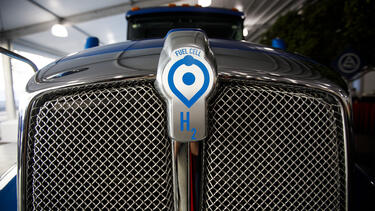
186 77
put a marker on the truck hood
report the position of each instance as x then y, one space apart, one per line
140 58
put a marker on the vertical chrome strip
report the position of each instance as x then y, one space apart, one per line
25 105
180 154
187 174
196 174
346 116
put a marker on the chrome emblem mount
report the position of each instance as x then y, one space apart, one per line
186 77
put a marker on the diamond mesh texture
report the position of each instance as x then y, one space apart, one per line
100 146
273 147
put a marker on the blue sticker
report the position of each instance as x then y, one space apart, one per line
188 79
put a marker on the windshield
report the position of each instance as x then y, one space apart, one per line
151 26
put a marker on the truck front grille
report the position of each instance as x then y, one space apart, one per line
102 146
274 147
270 146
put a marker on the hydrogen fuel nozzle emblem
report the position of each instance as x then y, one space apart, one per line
186 77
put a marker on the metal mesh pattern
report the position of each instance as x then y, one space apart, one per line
274 147
100 146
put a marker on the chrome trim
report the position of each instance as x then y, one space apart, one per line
186 175
180 156
58 75
191 49
346 115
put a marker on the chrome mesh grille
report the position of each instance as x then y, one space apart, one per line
273 147
99 146
106 146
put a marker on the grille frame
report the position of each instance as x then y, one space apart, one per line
33 94
344 130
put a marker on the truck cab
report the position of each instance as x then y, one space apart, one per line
155 22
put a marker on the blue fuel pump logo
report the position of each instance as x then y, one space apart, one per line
188 79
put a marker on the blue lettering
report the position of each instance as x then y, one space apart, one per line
181 52
183 121
195 52
194 132
185 51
